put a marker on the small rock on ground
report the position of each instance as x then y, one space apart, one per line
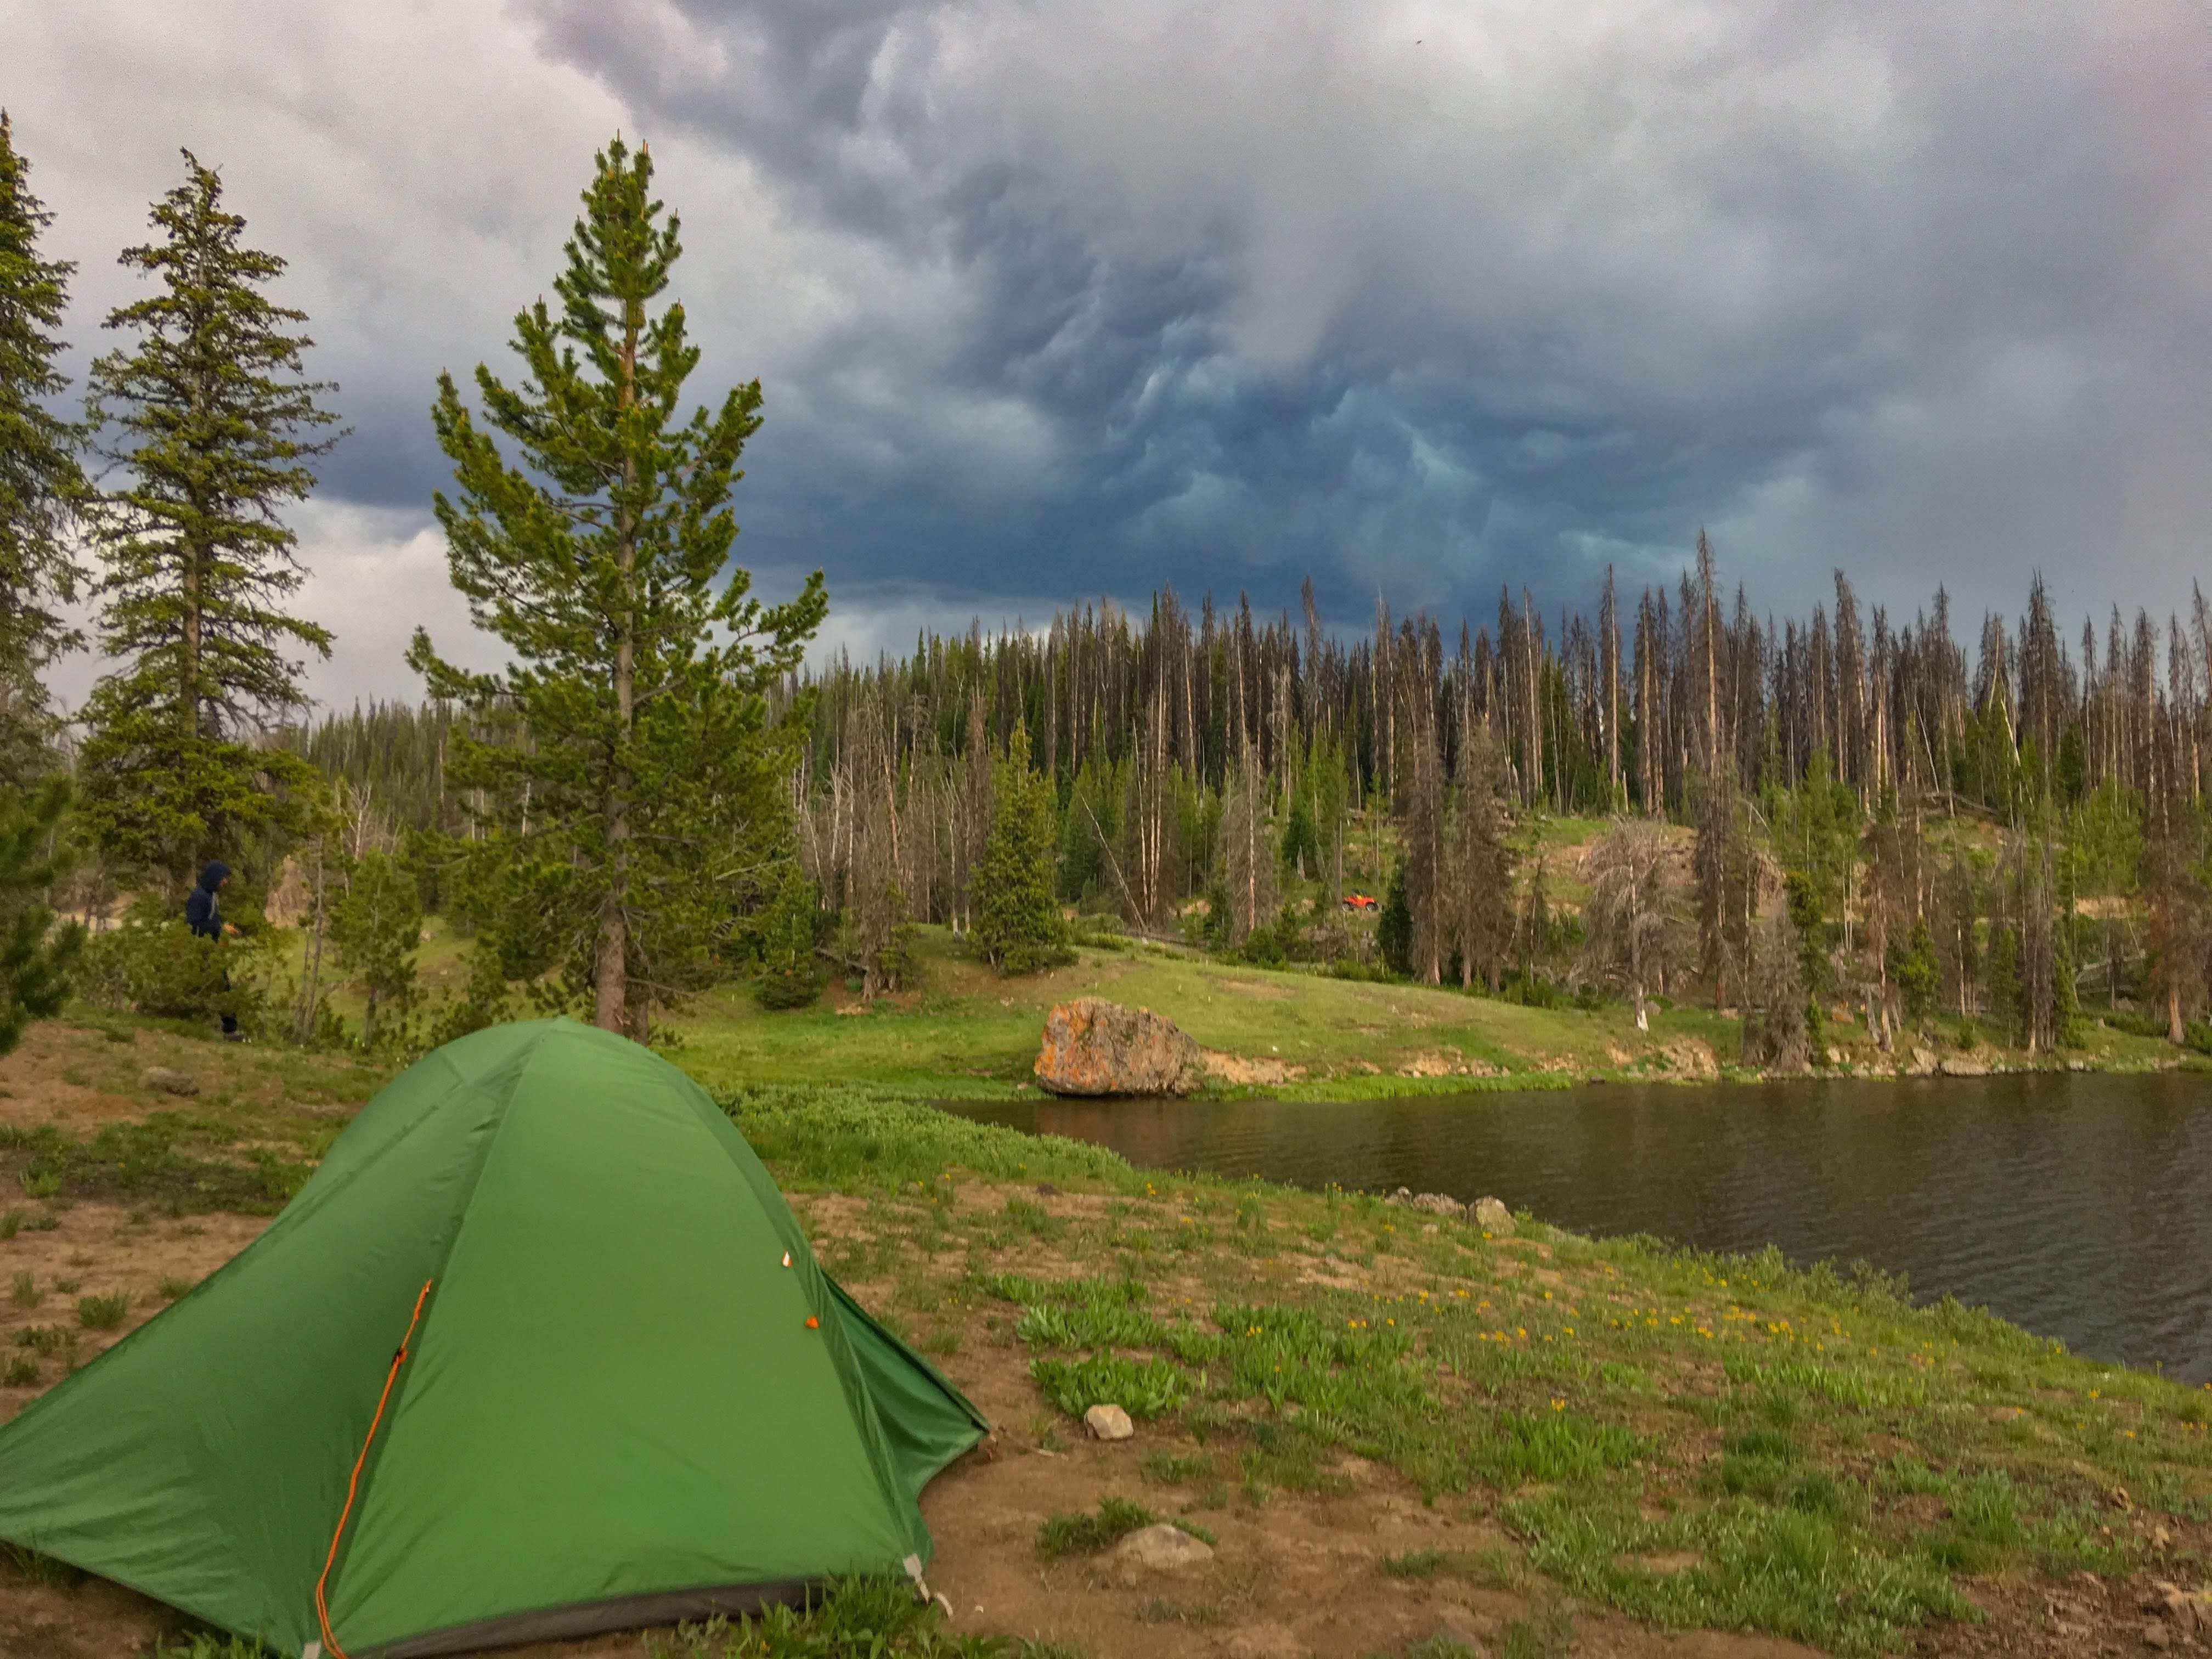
1163 1547
1108 1423
169 1082
1491 1216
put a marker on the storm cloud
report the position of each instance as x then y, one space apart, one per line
1055 299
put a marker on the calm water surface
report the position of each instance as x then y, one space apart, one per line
2077 1206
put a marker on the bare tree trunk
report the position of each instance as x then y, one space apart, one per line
309 996
611 965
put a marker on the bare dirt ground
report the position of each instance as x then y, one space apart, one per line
1298 1574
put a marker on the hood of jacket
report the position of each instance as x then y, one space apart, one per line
212 877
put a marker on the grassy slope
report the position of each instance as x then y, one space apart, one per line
1693 1440
1689 1440
967 1032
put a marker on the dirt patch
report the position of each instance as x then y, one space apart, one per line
1239 1068
1447 1062
97 1249
53 1078
1252 988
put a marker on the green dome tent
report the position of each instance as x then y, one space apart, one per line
540 1350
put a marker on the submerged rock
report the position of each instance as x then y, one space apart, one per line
1093 1046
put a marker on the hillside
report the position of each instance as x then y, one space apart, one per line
1398 1436
1293 1033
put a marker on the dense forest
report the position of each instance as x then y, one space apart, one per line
1872 807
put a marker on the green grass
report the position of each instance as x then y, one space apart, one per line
876 1617
163 1159
102 1313
25 1292
1829 1458
1635 1403
1144 1388
1088 1532
1166 1468
966 1032
41 1568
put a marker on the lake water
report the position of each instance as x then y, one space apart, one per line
2078 1205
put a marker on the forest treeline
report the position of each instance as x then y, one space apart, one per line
656 795
1876 810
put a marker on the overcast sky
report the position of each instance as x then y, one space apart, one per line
1057 300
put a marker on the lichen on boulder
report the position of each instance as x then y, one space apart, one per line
1093 1046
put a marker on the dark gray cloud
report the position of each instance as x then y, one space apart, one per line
1061 300
1436 297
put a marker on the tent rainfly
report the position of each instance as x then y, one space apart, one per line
540 1350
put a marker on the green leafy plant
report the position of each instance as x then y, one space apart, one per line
1144 1388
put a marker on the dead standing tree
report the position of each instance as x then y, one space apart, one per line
1632 937
1479 910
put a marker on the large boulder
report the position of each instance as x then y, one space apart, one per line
1093 1046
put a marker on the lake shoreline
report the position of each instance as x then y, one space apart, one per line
1366 1086
1999 1190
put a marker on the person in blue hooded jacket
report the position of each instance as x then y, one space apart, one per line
204 916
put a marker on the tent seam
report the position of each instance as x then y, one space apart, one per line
438 1279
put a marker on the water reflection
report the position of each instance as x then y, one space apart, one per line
2075 1204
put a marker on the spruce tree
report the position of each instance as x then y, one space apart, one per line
209 418
1017 925
40 482
377 929
36 956
644 799
1394 924
790 976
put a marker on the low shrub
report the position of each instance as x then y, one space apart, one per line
102 1313
163 968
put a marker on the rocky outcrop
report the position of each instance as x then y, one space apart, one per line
1486 1212
1093 1046
168 1081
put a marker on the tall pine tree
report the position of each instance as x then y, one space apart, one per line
40 482
1018 926
649 788
35 955
212 422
